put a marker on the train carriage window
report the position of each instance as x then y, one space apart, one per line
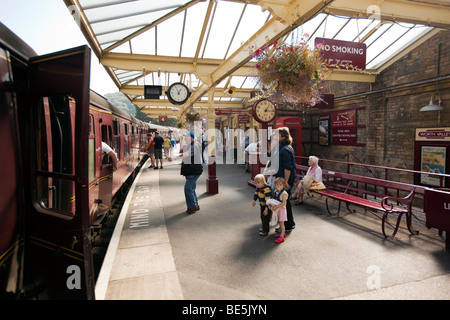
106 138
54 150
126 143
116 138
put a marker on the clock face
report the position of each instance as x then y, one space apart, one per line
178 93
264 111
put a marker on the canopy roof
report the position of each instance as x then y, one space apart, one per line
208 44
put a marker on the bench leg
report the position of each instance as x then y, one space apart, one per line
408 223
348 208
328 208
385 215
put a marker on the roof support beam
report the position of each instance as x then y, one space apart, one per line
133 90
293 14
200 67
408 11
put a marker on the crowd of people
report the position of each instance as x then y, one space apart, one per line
274 189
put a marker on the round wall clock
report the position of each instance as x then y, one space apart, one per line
178 93
264 111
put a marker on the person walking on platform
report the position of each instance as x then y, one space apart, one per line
166 146
191 168
262 194
159 141
150 148
286 169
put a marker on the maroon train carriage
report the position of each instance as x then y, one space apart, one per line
56 184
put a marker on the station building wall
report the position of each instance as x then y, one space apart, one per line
388 110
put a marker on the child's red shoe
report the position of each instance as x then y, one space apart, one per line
279 235
280 240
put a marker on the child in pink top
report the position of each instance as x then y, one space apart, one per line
281 195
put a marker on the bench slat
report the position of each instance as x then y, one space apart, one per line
357 200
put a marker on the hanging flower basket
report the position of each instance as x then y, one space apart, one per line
290 74
192 116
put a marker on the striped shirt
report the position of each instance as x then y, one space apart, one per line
263 194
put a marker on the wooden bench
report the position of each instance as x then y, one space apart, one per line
364 191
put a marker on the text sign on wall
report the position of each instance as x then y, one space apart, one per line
433 134
338 52
346 118
343 124
344 136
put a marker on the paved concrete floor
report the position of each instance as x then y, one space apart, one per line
219 254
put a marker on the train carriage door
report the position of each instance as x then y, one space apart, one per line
11 213
56 122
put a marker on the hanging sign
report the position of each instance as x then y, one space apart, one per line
342 53
244 118
227 111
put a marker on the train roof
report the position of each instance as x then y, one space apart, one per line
15 45
101 102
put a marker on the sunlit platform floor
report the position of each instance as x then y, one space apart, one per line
160 252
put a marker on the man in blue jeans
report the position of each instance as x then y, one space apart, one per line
191 168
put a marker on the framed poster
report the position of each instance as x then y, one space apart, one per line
432 159
324 131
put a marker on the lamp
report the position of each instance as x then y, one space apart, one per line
174 109
432 107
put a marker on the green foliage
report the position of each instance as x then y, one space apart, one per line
120 100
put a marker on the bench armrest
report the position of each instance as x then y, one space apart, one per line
388 206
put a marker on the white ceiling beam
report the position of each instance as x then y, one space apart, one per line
294 14
134 90
201 68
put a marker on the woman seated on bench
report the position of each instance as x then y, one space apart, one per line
312 180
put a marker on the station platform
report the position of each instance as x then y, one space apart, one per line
158 252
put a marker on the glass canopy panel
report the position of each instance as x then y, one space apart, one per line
169 36
193 28
352 30
144 43
385 40
124 23
333 25
223 25
120 9
403 42
110 38
252 20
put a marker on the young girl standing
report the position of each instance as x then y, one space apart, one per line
281 195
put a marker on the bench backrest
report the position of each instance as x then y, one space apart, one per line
341 180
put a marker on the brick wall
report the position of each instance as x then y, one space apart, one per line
390 108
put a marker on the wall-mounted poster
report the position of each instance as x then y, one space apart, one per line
324 131
432 159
